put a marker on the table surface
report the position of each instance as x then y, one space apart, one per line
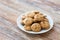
11 9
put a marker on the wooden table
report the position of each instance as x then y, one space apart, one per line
11 9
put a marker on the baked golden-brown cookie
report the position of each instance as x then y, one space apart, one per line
32 14
27 27
45 25
38 17
28 21
36 27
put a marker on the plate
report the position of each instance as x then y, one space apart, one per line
31 32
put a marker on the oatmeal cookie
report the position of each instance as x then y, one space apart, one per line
38 17
28 21
36 27
45 25
27 27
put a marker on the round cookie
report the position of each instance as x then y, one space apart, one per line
27 27
38 17
45 25
28 21
36 27
32 14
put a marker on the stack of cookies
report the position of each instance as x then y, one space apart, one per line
35 21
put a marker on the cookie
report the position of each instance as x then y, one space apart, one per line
36 27
32 14
45 25
28 21
38 17
27 27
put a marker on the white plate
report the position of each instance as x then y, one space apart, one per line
42 31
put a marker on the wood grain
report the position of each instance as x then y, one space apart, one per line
11 9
